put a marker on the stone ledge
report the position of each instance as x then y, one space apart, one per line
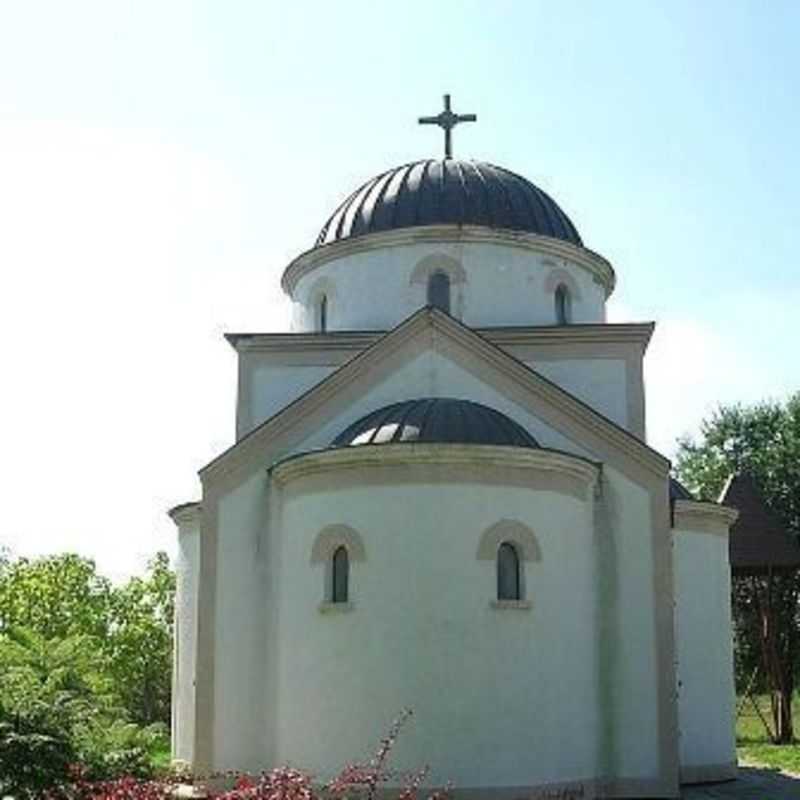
520 605
335 608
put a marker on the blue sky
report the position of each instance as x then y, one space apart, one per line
160 163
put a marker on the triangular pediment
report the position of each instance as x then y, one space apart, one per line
432 335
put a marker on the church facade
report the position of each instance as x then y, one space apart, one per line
441 498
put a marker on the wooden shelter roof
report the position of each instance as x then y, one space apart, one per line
759 540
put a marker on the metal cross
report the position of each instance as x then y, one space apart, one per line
447 120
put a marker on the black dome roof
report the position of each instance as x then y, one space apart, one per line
435 419
449 191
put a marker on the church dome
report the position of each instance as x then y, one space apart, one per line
448 192
435 420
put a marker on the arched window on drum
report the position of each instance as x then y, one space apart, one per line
439 291
563 303
322 314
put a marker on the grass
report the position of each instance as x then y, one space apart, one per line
753 744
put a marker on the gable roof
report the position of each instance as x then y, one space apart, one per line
556 406
677 491
759 540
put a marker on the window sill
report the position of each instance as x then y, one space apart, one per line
521 605
334 608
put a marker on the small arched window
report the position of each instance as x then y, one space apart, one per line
439 291
323 314
563 305
340 575
508 578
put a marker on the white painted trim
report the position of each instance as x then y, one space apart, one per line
186 514
509 530
638 333
703 517
366 456
334 536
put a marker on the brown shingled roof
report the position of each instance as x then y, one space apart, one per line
758 540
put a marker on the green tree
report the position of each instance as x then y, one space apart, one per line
85 670
140 642
42 694
764 441
55 596
57 708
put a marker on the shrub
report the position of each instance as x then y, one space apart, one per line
284 783
31 760
55 710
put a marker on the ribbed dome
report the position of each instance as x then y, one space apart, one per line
448 192
435 419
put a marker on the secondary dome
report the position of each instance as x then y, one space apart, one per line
448 192
435 419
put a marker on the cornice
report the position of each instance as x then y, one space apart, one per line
600 269
704 517
371 457
291 342
594 333
186 513
587 333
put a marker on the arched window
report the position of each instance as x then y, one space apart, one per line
508 583
323 314
340 576
563 305
439 291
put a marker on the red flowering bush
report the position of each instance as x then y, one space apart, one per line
283 783
128 788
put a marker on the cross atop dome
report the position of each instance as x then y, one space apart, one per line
447 120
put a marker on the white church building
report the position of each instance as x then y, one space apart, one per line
441 497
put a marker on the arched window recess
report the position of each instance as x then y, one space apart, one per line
509 545
340 576
509 584
334 548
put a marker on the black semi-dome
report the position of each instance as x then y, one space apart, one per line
448 192
435 419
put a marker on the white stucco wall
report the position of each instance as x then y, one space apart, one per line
501 697
187 565
600 382
505 285
267 388
627 628
705 651
266 586
243 617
